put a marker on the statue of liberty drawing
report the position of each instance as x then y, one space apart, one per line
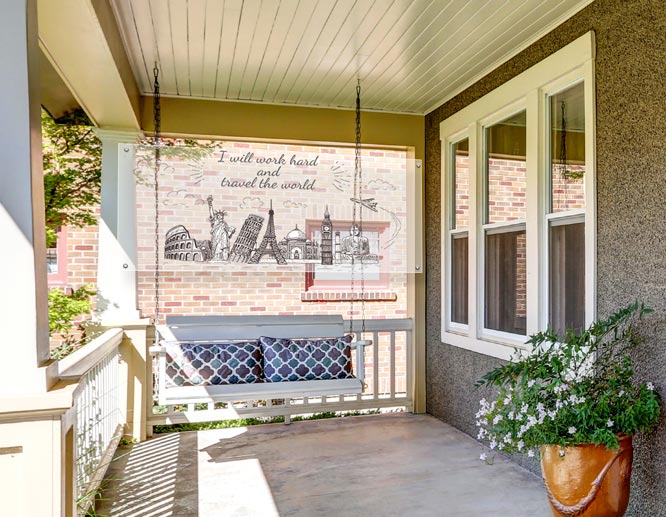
220 233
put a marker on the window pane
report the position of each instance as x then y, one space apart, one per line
459 272
567 149
506 282
505 170
461 184
52 261
567 277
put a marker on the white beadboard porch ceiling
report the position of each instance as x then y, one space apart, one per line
410 55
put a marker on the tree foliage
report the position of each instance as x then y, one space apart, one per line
72 162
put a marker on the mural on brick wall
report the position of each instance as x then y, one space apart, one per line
246 247
242 204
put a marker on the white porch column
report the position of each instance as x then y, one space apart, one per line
116 263
23 304
30 426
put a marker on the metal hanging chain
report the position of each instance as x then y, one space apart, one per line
563 140
157 121
359 168
358 191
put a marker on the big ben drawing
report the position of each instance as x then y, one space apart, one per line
326 239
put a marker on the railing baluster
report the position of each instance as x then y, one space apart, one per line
97 419
392 365
409 391
359 396
375 365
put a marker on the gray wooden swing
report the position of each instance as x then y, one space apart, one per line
211 331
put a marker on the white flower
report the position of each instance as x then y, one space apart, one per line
650 386
524 408
511 415
610 423
540 407
561 454
492 444
497 419
531 383
483 456
560 388
507 438
558 404
482 434
482 402
572 430
530 453
521 445
621 393
507 401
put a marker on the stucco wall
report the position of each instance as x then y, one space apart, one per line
631 167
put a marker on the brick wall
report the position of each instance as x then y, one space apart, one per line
507 181
224 288
568 193
204 288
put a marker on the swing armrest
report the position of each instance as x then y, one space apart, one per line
156 350
360 359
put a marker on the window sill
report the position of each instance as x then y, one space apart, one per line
346 296
502 351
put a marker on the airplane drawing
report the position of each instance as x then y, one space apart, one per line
369 203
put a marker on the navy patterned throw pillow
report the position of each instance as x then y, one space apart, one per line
306 359
195 364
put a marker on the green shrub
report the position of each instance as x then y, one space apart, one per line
571 389
64 308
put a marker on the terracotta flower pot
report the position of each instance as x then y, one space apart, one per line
589 480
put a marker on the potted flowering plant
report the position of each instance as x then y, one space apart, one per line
574 399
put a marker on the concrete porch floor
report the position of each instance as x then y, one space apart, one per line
381 465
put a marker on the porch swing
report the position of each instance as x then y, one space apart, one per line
230 359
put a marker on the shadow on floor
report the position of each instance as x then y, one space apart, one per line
158 477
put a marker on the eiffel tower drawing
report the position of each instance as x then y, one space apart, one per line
269 245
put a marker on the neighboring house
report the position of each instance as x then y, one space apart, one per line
71 264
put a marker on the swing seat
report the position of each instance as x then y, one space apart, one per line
202 338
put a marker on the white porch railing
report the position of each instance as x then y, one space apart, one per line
388 384
97 417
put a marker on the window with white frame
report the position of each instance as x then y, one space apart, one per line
504 216
459 239
518 234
